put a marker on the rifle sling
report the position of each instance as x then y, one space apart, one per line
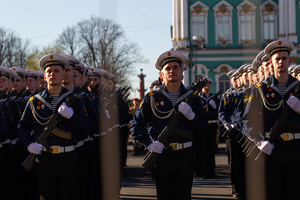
62 134
183 133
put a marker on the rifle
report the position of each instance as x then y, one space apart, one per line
151 157
93 90
23 96
99 90
17 96
124 93
42 139
4 103
274 131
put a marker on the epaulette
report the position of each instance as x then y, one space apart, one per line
258 84
151 93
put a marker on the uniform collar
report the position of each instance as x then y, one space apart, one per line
184 92
45 94
290 84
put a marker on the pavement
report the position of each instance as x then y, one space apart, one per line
138 184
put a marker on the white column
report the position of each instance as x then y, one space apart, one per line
186 77
292 21
184 23
175 21
282 19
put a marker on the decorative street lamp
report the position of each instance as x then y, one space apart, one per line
197 43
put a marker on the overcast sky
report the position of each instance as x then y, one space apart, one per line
145 22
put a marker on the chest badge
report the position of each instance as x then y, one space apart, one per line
156 103
38 107
162 103
273 95
267 95
43 106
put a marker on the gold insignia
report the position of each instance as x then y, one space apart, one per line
14 69
31 99
267 95
279 42
141 104
250 98
258 84
156 103
43 106
225 102
51 56
169 53
162 103
272 95
38 107
150 93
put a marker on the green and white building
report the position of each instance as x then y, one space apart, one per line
217 36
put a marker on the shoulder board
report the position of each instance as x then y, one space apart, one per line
151 93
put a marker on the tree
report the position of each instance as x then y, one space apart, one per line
68 41
37 54
100 43
13 51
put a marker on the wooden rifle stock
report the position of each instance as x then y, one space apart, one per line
42 139
151 157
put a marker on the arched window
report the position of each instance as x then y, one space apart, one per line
246 15
268 12
223 23
224 83
198 72
199 20
222 80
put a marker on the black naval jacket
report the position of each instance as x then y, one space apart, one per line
211 113
146 126
264 105
4 130
37 113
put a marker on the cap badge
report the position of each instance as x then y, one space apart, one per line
169 53
279 42
14 69
51 56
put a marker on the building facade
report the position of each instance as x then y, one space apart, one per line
217 36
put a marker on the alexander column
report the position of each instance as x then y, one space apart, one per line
142 86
